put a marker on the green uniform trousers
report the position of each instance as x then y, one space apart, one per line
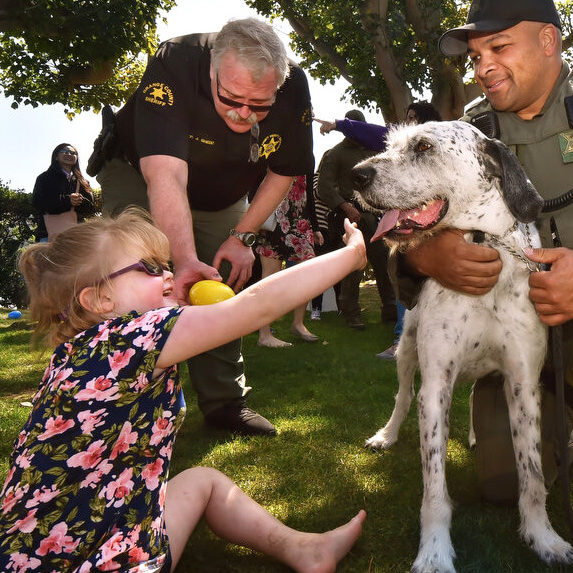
495 458
218 376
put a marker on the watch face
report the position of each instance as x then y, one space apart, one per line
249 239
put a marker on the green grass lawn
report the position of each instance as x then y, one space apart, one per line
324 399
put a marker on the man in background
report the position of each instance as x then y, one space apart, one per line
336 189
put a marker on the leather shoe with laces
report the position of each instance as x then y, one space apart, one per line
237 418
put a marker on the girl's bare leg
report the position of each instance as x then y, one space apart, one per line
270 266
235 517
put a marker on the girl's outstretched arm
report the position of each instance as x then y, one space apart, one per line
200 328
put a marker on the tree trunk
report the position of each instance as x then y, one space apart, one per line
374 15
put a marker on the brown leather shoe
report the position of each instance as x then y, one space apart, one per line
237 418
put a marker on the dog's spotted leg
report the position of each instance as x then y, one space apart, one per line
523 399
406 364
436 553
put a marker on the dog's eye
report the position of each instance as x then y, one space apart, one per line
423 146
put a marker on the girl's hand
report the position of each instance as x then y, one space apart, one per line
353 239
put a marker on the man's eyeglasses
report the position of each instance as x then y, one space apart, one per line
254 143
152 269
233 103
67 151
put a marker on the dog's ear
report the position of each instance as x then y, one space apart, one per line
520 195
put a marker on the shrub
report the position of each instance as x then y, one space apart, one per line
17 228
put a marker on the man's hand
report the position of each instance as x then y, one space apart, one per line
552 291
188 274
325 126
318 238
241 259
456 264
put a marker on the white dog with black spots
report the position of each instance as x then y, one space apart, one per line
449 175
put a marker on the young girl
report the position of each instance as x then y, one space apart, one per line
87 489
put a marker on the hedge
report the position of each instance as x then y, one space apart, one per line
17 229
18 226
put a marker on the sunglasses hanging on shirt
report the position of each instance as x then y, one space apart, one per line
254 149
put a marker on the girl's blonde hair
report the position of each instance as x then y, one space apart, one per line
56 272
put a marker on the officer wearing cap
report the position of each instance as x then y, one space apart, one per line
515 47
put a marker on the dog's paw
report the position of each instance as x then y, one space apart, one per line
436 553
550 547
431 568
435 563
380 441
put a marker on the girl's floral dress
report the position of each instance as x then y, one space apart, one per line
86 488
292 239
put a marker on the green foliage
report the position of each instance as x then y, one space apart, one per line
386 50
86 53
82 54
17 228
341 37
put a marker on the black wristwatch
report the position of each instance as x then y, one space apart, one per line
248 239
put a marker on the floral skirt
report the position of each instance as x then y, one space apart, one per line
292 239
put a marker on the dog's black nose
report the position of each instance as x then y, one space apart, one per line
362 176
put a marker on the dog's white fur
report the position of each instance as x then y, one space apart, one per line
450 335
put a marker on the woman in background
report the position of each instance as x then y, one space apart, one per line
62 196
292 241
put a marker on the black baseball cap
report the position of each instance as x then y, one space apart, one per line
355 114
496 15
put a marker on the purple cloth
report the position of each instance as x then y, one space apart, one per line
369 135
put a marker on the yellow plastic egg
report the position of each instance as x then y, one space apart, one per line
209 292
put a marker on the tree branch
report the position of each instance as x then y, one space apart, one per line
302 29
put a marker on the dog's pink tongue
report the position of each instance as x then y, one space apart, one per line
388 221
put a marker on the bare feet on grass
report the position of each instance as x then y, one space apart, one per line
272 342
321 552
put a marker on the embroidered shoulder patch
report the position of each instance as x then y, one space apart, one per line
566 145
158 93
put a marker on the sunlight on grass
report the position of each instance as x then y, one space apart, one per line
302 425
12 417
458 453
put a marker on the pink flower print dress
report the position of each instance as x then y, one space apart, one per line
86 488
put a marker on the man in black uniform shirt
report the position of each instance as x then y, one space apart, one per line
215 117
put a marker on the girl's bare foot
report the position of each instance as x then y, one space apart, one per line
321 552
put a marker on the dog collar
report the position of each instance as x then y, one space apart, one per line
502 243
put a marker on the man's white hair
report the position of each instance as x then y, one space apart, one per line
256 46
